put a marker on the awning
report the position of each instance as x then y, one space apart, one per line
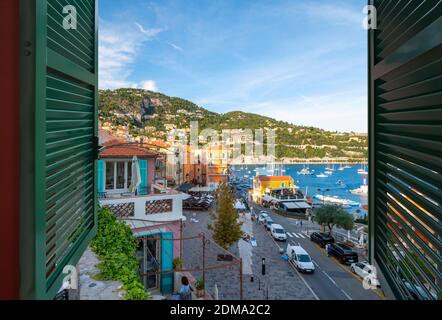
296 205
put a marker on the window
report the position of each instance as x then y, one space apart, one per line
118 175
110 175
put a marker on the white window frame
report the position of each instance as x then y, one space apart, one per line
126 182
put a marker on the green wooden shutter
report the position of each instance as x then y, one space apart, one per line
65 126
144 175
406 147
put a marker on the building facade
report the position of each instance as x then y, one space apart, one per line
154 212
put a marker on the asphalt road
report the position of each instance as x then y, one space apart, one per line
331 280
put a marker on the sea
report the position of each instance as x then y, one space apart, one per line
309 185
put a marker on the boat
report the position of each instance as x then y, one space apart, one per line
305 171
340 183
341 168
347 166
337 200
322 175
362 190
363 170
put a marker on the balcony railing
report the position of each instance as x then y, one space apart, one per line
159 205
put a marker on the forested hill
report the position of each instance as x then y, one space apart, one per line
151 114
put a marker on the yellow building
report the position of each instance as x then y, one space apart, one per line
268 185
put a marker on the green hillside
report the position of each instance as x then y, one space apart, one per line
123 107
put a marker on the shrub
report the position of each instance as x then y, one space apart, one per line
116 248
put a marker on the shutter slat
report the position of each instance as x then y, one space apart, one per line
405 196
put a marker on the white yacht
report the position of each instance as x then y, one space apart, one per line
322 175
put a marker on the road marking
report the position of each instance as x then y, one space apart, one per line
301 235
289 234
330 278
303 280
345 294
295 235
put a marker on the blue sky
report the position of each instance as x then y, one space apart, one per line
298 61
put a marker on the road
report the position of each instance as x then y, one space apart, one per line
331 280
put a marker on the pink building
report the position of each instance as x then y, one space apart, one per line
153 211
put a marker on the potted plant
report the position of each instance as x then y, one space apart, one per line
199 285
177 263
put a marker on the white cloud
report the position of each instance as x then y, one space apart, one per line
118 49
150 33
149 85
176 47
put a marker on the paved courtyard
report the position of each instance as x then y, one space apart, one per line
280 281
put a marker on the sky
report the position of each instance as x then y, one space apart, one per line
301 61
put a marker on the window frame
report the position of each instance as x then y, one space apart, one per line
127 181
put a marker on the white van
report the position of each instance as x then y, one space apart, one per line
278 232
300 259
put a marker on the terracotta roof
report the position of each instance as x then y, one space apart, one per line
271 178
127 151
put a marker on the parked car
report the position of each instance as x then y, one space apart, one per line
343 253
268 223
300 259
365 270
322 238
262 217
278 232
416 292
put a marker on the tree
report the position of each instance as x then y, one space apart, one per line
227 227
332 215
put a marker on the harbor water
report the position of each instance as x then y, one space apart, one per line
339 182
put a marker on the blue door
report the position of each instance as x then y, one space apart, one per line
166 262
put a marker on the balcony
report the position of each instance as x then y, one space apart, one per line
160 205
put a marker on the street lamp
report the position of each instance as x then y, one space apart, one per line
323 194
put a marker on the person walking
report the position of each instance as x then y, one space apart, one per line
327 247
185 292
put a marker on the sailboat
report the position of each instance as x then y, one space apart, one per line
341 167
363 169
329 170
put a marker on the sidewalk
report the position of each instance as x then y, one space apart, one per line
280 281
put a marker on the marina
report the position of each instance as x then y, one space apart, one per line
345 185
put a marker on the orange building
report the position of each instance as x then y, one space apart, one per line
194 169
217 165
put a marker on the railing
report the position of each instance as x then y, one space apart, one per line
158 207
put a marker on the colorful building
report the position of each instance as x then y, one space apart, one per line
264 185
281 194
154 212
216 159
194 168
